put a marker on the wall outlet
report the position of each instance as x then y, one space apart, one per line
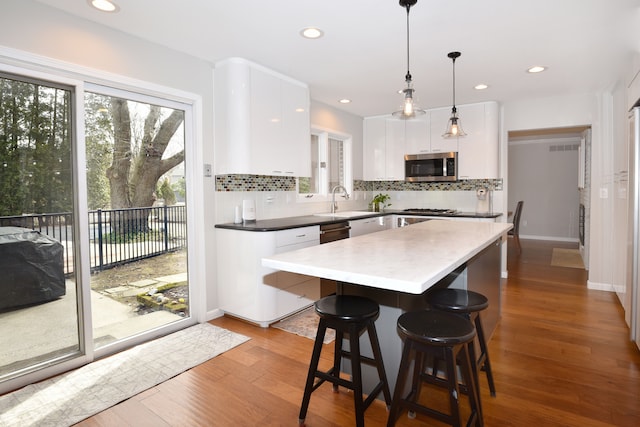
604 193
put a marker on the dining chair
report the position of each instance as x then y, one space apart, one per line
515 231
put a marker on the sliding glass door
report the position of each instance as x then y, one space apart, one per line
136 195
39 317
93 222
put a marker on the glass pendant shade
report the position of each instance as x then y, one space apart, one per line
454 126
409 109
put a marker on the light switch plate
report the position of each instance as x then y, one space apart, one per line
207 169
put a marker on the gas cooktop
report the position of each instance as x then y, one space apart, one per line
431 211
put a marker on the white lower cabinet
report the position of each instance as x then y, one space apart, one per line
370 225
255 293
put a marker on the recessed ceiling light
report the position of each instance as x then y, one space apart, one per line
481 86
311 33
536 69
345 101
104 5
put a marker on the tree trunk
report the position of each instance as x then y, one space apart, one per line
133 178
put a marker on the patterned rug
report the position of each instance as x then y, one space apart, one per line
305 324
71 397
566 258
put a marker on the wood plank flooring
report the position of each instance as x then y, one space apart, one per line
560 355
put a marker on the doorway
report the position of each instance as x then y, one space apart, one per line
548 169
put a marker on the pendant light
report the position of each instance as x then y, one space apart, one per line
409 108
454 127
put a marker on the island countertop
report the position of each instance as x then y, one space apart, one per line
408 259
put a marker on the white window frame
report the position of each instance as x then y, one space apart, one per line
324 192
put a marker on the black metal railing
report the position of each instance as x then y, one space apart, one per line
116 236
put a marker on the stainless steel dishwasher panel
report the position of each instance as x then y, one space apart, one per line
331 233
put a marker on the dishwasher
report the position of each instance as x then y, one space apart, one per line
331 233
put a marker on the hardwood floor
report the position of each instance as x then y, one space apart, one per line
560 357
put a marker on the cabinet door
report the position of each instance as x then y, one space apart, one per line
438 126
266 124
395 148
296 130
374 150
417 136
478 151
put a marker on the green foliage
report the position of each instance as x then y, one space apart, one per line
35 148
180 188
99 149
380 200
165 192
134 237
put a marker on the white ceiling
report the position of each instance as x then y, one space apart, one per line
362 56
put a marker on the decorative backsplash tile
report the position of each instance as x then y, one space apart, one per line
462 185
286 183
255 183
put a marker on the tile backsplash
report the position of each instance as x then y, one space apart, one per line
285 183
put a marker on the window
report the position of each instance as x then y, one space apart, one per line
330 165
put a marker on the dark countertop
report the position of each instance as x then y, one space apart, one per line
286 223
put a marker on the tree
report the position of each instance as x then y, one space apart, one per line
98 139
35 148
165 192
138 163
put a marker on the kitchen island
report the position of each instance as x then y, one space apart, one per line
397 267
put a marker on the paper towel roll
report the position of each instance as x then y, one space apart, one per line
248 210
237 218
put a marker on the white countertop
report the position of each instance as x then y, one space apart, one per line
408 259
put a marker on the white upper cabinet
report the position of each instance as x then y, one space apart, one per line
387 140
383 149
374 164
262 121
396 144
478 154
417 137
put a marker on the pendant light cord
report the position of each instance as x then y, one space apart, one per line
454 84
408 76
454 56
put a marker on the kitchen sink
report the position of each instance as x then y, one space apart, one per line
344 214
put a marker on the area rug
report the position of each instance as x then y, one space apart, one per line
566 258
69 398
305 324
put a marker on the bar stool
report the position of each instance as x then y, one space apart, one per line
443 336
468 304
352 315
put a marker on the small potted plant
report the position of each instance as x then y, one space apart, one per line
380 201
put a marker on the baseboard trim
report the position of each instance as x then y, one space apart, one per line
600 286
214 314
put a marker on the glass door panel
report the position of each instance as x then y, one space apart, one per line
38 287
137 215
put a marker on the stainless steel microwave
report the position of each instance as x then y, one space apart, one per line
431 167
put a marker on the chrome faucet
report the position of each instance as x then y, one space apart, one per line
334 204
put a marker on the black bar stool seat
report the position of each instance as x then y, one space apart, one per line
433 334
352 315
468 304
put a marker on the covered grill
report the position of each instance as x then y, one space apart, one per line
31 267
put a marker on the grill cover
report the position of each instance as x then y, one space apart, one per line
31 267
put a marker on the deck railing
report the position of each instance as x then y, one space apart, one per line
164 230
